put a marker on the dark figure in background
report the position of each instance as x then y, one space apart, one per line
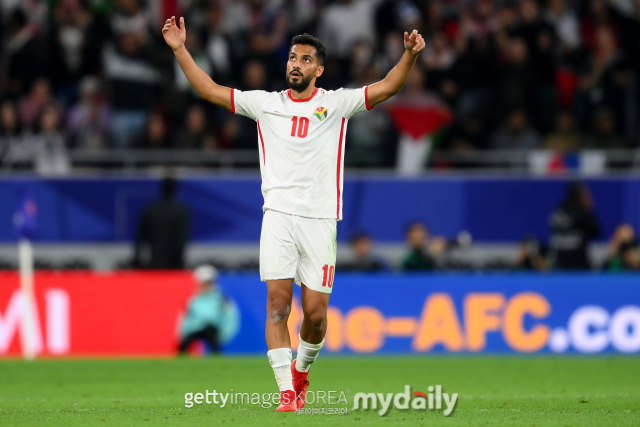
363 257
422 250
163 232
24 56
573 225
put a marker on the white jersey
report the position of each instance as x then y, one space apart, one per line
301 143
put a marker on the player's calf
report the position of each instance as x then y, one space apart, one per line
278 309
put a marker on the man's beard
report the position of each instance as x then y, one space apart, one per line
301 85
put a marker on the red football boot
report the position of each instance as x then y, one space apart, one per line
287 401
300 384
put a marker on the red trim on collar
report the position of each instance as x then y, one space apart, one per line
302 100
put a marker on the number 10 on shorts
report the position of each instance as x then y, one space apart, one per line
327 279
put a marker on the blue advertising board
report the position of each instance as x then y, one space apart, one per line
229 208
460 313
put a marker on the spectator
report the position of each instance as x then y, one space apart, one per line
194 134
532 27
205 311
255 76
439 55
156 133
134 82
439 20
507 20
10 130
31 106
233 134
470 135
565 137
51 150
163 232
194 46
623 235
24 53
475 92
518 79
363 257
392 50
262 50
605 81
598 16
565 22
361 60
216 44
516 134
299 14
573 225
46 149
396 16
237 17
422 250
68 43
630 256
532 256
604 131
539 38
371 137
346 22
417 115
485 59
130 17
88 121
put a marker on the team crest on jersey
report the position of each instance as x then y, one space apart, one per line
321 113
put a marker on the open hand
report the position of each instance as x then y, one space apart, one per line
414 43
174 36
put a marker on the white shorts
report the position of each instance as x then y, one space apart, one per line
298 248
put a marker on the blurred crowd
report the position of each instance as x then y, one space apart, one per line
511 75
573 226
425 252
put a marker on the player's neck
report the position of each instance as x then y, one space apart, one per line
306 94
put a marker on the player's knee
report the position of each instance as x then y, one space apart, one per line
316 319
278 308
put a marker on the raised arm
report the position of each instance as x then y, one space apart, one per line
201 82
397 77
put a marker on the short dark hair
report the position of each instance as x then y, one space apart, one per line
309 40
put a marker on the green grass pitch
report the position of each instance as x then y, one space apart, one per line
509 391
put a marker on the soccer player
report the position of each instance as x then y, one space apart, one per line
301 133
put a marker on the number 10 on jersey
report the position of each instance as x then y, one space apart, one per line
302 126
329 271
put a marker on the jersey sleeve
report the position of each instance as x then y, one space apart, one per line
354 101
248 104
